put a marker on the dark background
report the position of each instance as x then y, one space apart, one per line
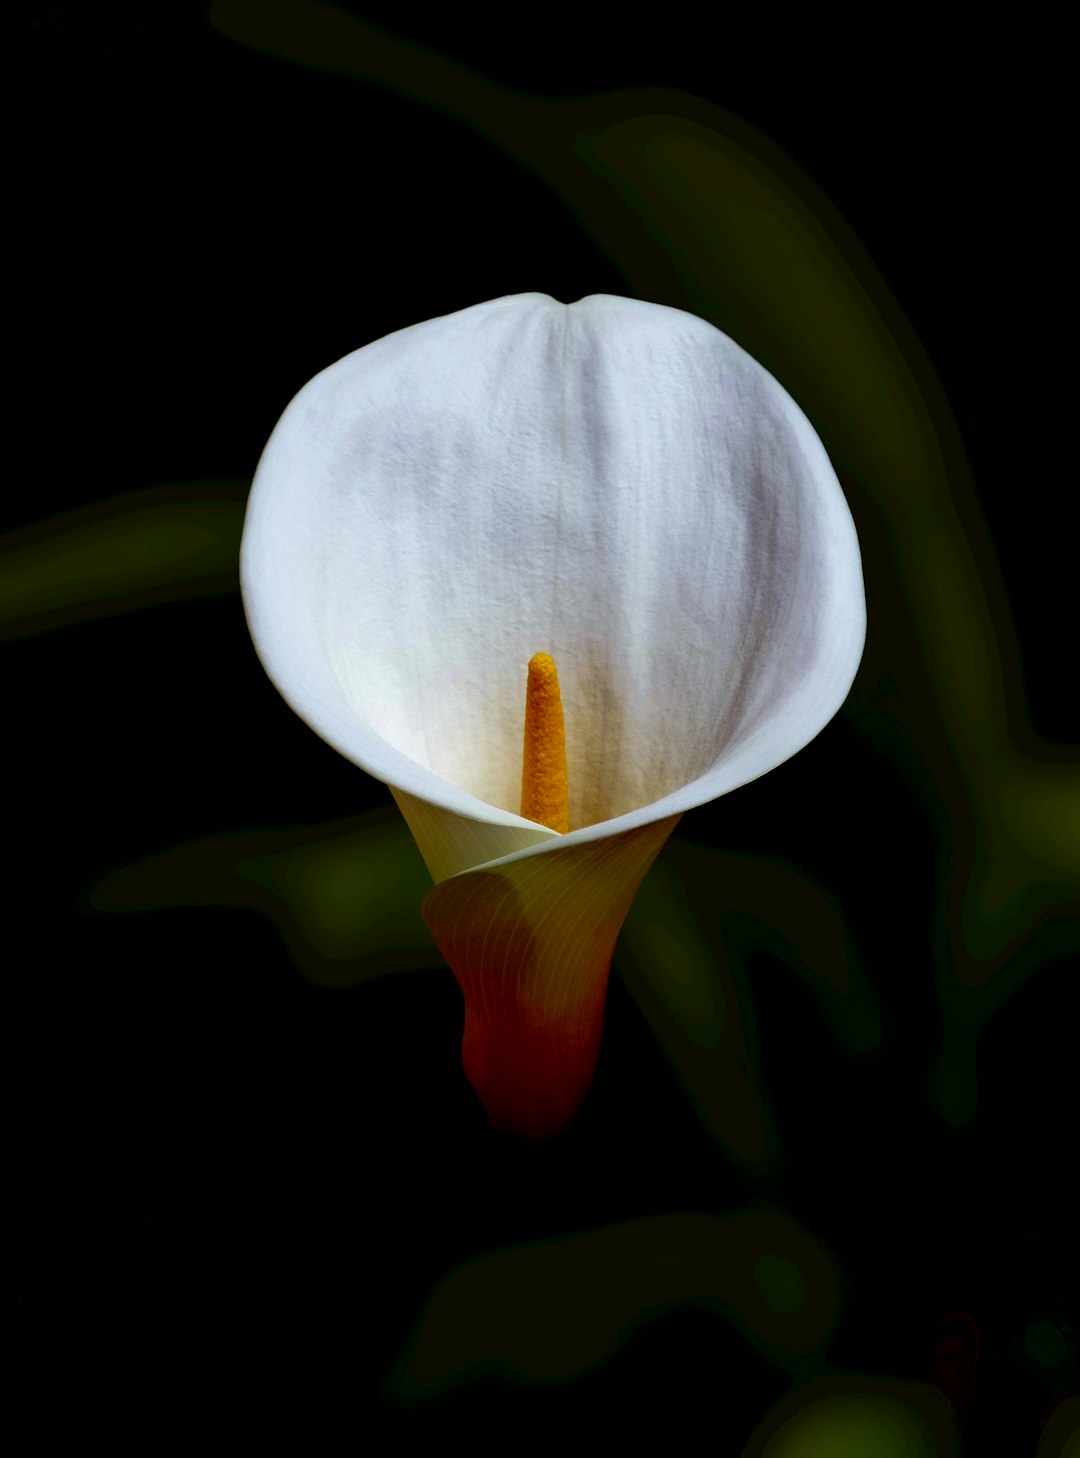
230 1182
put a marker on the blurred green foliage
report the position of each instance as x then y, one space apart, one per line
547 1312
701 212
176 541
345 897
846 1416
686 967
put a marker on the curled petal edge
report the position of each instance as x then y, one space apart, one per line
529 936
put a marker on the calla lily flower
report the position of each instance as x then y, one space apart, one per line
611 482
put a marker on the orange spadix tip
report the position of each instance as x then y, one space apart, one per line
544 792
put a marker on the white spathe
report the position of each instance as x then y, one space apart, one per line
612 482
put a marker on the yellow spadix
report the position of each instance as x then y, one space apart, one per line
545 795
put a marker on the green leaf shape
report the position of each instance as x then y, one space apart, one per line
685 963
168 542
345 897
548 1312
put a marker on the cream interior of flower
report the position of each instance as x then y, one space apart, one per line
614 482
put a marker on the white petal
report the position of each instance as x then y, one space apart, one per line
614 482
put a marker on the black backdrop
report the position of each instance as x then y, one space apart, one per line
232 1182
